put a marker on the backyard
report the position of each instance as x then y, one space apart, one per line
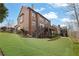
15 45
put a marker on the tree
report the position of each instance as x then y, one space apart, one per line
74 7
9 22
74 26
3 12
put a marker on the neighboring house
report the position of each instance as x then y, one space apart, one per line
63 31
7 29
33 23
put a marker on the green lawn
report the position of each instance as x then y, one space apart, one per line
14 45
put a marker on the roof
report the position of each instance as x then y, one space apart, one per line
39 14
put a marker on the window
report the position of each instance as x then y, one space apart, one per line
19 28
21 19
41 25
33 25
33 22
33 13
33 16
41 19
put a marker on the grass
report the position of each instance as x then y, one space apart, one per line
14 45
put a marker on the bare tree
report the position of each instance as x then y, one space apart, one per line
74 7
9 22
74 25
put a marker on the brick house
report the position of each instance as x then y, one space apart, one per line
33 23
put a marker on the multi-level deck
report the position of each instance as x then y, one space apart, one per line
33 23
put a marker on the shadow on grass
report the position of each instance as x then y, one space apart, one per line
1 52
54 38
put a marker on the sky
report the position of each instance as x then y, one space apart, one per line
55 12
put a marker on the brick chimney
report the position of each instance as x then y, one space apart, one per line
33 6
